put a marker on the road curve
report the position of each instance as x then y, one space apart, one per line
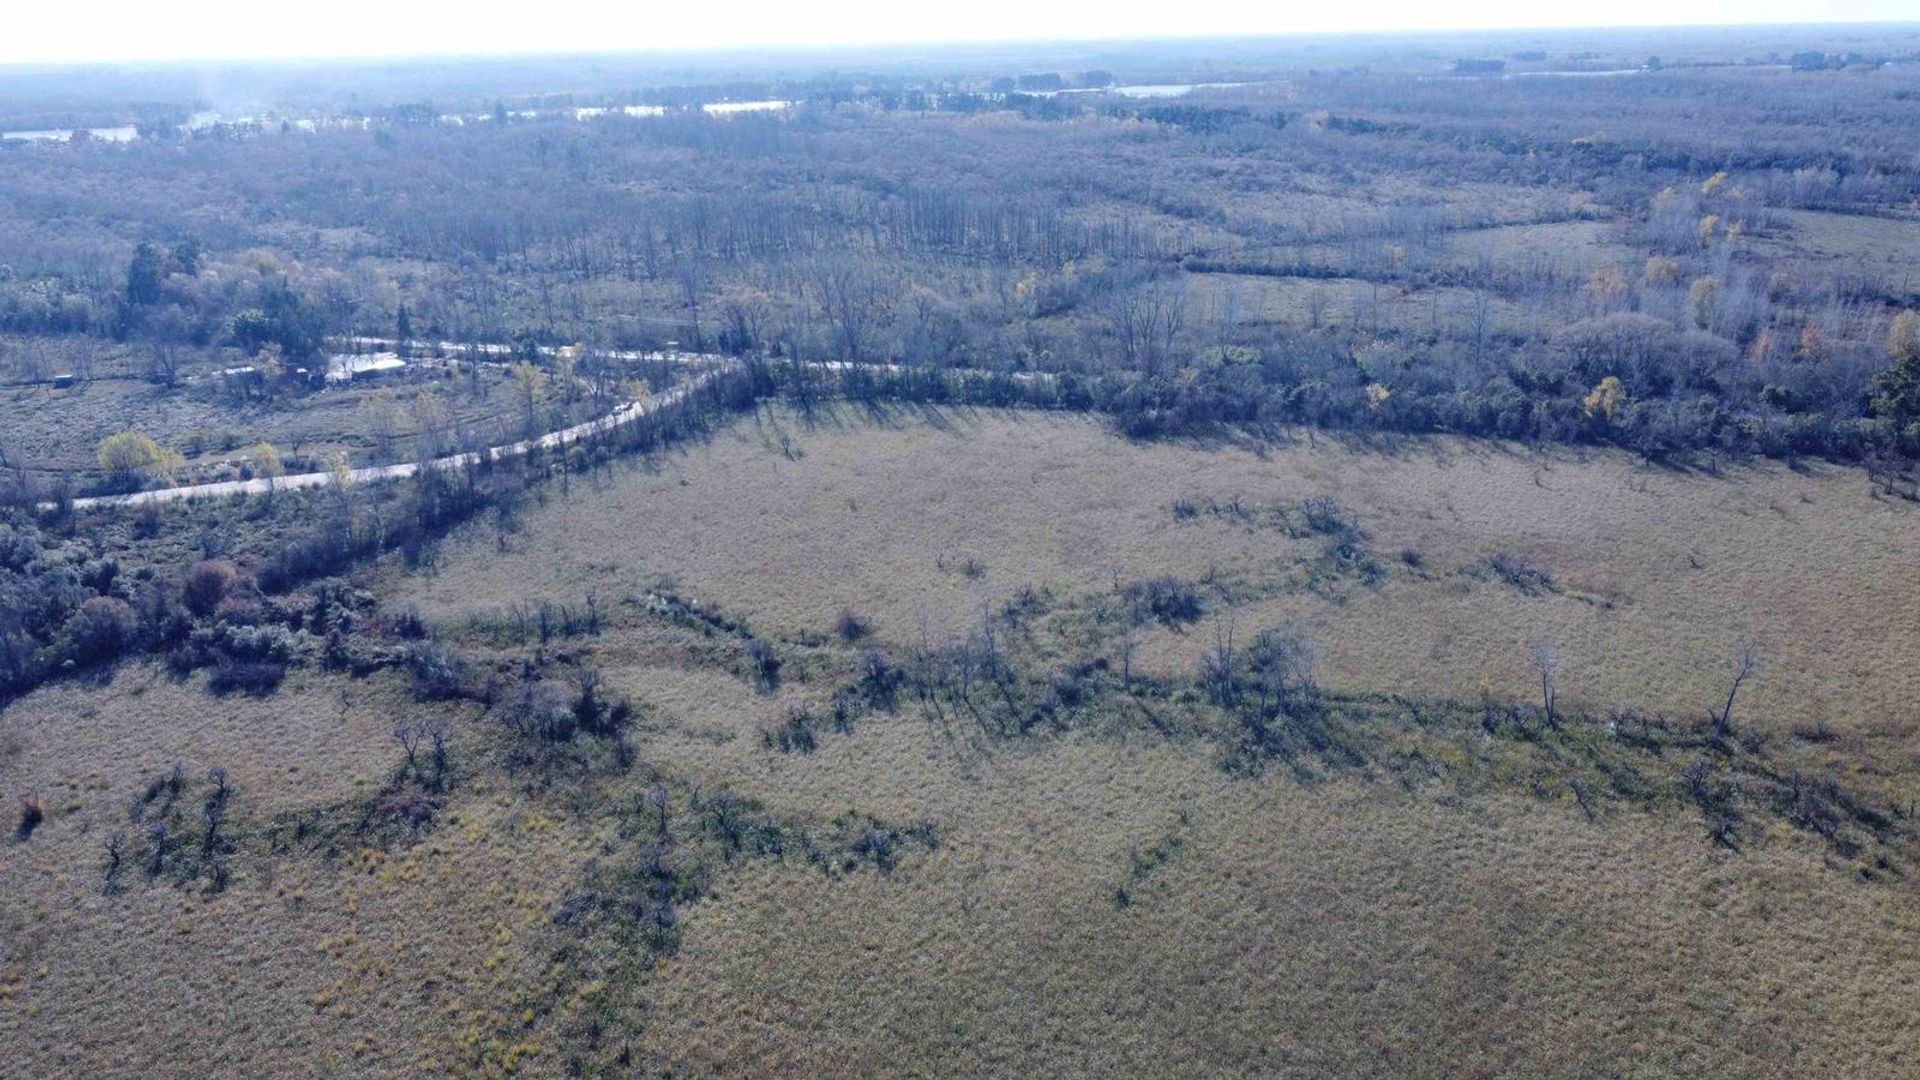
624 413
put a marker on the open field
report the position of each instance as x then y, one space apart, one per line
1107 899
1653 577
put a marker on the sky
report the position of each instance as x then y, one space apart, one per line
36 31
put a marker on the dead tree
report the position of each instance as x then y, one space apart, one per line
1546 660
1746 662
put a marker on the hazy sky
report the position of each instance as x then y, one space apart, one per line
67 30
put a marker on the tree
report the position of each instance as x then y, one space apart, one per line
184 257
1282 662
743 309
163 363
848 298
1745 662
382 418
1607 398
206 584
433 420
530 390
270 364
1147 320
1546 661
1896 391
16 486
130 458
266 462
144 273
1605 288
1703 297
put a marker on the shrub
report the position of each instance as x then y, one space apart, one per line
256 677
794 734
879 679
206 584
852 626
270 642
101 628
32 812
1326 517
439 673
1521 573
543 710
1169 600
766 663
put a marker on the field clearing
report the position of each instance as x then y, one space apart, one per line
315 741
1574 245
1356 303
1108 898
374 964
357 959
59 431
1656 576
1288 931
1890 240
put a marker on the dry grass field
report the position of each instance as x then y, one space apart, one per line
1656 576
1106 894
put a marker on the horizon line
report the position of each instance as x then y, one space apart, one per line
798 49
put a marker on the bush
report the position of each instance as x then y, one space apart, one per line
794 734
99 630
852 626
1326 517
256 677
439 673
269 642
879 679
1521 573
766 663
206 584
32 812
543 710
1169 600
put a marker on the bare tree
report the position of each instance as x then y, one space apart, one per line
1745 663
16 486
849 298
1546 661
691 273
1283 662
1147 320
409 736
163 363
1217 665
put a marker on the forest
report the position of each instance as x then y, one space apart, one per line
1588 247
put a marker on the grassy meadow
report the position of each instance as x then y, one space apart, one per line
1652 578
788 865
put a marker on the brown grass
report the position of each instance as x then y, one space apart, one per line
1661 574
1370 921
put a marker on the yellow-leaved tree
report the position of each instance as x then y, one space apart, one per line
1607 399
130 458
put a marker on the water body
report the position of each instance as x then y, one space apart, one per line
106 134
